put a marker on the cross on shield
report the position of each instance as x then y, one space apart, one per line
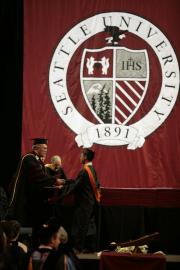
114 81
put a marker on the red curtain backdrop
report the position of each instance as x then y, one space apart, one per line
157 163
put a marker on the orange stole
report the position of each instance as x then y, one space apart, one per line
93 184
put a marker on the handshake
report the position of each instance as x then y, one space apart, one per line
60 183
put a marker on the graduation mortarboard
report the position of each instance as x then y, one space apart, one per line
39 141
46 231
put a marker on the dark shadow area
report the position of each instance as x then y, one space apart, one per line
133 222
11 16
124 223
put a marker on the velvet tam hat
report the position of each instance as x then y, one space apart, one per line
39 141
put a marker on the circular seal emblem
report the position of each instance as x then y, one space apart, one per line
114 79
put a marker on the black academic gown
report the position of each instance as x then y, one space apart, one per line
27 201
84 215
54 195
59 172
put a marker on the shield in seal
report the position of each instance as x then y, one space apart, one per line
114 81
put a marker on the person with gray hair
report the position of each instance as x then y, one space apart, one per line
54 195
55 167
48 254
27 190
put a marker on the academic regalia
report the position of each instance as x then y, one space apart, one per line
46 256
45 259
58 172
85 202
27 199
17 255
54 196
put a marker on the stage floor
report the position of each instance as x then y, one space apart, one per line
94 256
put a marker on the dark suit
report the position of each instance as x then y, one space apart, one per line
27 199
